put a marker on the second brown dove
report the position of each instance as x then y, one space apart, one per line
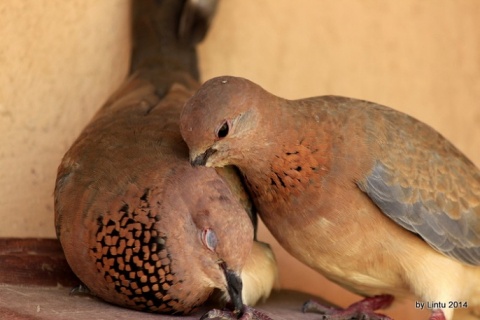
139 226
370 197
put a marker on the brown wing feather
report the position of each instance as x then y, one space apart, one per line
422 182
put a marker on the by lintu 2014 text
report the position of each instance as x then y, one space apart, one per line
441 305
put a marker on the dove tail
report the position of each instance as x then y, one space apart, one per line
164 35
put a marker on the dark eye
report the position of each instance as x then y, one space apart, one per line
222 132
209 239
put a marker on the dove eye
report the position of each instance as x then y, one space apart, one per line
209 239
223 130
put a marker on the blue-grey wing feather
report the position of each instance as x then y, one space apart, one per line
455 237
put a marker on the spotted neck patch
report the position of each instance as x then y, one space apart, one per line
291 171
133 258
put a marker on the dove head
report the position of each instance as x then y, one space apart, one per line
219 122
223 236
210 237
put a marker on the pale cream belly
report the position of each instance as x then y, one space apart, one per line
352 255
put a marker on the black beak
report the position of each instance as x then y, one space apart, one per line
201 159
235 286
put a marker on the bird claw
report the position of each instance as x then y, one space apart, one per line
362 310
80 290
218 314
248 314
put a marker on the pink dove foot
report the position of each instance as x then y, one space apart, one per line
362 310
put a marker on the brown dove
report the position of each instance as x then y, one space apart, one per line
138 224
373 199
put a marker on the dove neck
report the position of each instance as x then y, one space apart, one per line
284 163
159 55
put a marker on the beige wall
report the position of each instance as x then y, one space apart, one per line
60 60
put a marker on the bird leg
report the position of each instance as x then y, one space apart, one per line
362 310
248 313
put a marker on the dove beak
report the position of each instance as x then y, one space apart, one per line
234 287
202 158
